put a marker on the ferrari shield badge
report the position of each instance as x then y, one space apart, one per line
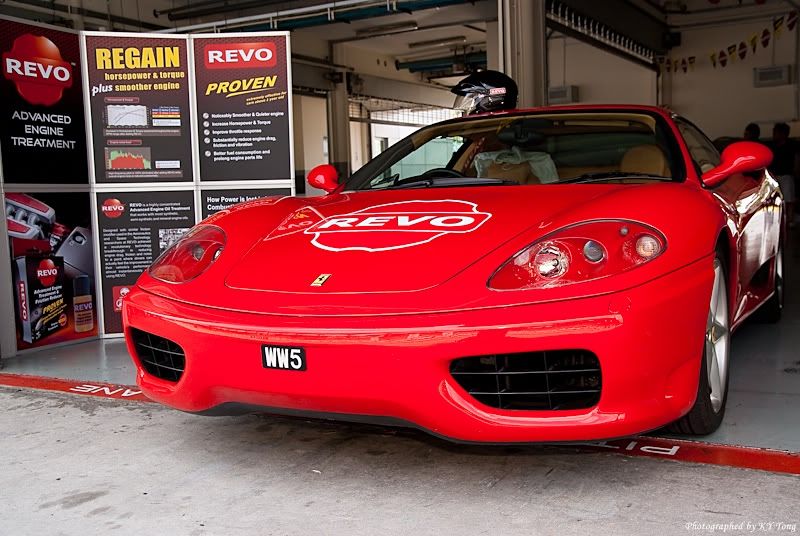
320 280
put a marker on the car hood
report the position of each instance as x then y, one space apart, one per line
423 251
393 241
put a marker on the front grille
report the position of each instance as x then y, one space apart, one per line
554 380
159 356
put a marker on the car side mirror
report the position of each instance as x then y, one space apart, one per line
325 177
739 157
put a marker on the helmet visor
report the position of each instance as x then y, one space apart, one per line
466 103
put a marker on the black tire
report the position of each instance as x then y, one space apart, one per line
702 419
772 310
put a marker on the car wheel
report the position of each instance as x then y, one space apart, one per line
772 310
712 389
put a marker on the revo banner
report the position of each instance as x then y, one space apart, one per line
139 111
243 91
42 133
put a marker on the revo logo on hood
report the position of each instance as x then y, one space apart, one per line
240 55
396 225
36 67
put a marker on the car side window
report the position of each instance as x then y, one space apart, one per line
704 154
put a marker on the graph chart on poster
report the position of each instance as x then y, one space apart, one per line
128 158
122 115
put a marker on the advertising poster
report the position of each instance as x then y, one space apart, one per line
138 90
42 131
134 228
243 99
52 262
216 200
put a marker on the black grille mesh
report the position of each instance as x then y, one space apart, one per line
159 356
554 380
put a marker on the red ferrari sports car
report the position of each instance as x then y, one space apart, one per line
553 274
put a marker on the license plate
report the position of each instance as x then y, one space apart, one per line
283 357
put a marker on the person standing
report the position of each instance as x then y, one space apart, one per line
752 132
785 166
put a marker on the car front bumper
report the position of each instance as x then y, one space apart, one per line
648 340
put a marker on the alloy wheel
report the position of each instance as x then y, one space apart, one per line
717 339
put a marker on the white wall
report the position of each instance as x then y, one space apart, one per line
393 133
723 100
359 145
310 132
602 77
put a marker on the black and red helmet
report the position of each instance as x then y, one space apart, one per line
485 91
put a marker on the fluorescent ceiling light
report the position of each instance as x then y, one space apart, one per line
458 39
387 29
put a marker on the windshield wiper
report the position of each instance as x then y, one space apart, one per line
605 175
444 182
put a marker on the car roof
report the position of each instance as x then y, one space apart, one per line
582 108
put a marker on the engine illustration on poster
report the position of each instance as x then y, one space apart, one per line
52 265
42 132
134 228
243 94
138 91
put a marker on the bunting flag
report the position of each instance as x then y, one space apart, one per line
791 20
738 51
742 50
777 26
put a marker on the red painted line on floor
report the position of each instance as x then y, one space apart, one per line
99 389
651 447
775 461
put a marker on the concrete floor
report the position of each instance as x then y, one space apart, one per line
82 465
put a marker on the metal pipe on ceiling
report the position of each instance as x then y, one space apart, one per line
438 64
50 7
420 55
321 14
465 23
262 17
187 7
718 10
227 7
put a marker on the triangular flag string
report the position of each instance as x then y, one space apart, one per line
738 51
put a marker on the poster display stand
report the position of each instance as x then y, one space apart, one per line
112 146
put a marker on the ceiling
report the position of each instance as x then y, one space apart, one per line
467 22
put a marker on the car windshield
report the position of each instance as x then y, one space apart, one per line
529 149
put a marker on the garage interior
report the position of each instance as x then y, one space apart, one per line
368 73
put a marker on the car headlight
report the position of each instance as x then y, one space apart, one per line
190 256
579 253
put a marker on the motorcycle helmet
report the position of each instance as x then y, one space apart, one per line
485 91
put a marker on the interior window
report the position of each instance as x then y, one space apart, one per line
704 154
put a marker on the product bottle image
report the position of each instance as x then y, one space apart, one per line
82 307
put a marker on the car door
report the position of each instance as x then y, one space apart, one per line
746 200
